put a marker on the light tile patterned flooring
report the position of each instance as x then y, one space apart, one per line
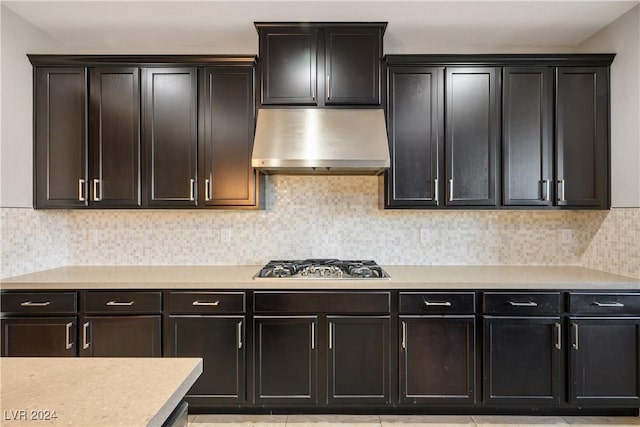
404 421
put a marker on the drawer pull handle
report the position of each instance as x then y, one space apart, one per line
67 336
523 304
205 303
35 304
120 304
608 304
437 303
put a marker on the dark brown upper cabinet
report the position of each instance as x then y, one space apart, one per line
227 178
289 57
318 64
114 127
472 132
527 136
582 137
514 134
61 165
352 65
170 135
415 124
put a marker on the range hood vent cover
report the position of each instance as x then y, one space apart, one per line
321 141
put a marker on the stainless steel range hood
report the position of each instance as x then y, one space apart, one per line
321 141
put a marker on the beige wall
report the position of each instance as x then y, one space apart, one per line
16 150
623 38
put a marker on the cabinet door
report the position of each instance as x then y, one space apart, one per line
39 337
121 336
415 126
522 363
352 65
437 359
219 341
286 360
289 61
582 138
527 136
605 362
473 126
61 138
115 137
359 358
228 178
170 135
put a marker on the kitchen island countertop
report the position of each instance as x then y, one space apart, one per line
241 277
93 391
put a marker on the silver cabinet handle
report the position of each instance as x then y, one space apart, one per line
523 304
96 183
313 88
67 336
575 331
192 190
85 336
205 303
558 336
81 190
561 195
240 334
34 304
207 190
313 336
404 334
451 190
436 191
437 303
120 304
328 86
608 304
547 189
330 335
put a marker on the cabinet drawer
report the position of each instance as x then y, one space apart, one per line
604 303
322 302
207 302
122 302
39 302
437 303
521 303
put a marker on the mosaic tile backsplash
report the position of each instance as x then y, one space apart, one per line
318 216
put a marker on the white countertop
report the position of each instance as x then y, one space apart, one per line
94 391
241 277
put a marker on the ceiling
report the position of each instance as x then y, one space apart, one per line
227 26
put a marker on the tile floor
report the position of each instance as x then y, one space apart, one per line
403 421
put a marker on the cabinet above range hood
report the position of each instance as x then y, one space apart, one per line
321 141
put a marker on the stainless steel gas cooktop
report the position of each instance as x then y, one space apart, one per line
335 269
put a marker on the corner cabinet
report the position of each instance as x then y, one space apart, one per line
145 132
521 131
320 64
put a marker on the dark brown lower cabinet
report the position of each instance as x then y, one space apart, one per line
359 359
523 360
437 359
121 336
39 337
219 341
605 362
286 355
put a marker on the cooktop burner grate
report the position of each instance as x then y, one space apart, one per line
323 268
